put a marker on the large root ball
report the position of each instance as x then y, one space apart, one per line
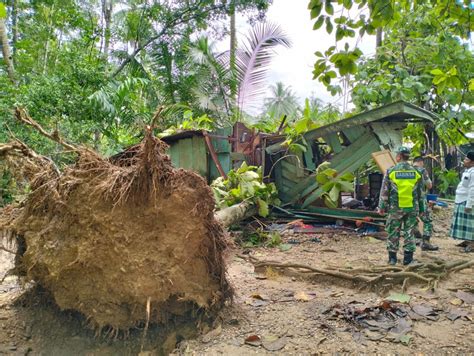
125 241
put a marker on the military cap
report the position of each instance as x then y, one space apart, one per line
403 150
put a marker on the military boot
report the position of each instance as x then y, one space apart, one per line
407 257
426 246
392 258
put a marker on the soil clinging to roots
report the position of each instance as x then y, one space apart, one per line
126 241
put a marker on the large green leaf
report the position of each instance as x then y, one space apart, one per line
249 176
348 176
334 193
262 208
346 186
328 202
322 178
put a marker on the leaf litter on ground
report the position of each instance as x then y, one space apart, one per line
466 297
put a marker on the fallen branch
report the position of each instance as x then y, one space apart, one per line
23 117
378 276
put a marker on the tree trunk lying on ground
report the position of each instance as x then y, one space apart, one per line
125 242
235 213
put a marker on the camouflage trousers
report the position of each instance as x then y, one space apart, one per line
427 223
401 223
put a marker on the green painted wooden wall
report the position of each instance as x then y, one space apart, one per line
223 149
190 153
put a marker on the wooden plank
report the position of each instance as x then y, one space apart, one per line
308 158
354 133
173 151
186 153
222 145
384 160
278 175
284 196
389 134
311 187
348 152
200 156
355 213
215 158
298 162
333 140
346 161
290 175
339 161
287 164
288 184
358 159
365 150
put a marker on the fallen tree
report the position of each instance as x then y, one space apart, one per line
126 241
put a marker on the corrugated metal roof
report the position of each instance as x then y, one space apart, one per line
181 135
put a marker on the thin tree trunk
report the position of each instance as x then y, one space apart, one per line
233 48
46 49
107 7
45 57
378 37
14 28
6 51
168 59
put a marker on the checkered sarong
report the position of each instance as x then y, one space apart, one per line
462 227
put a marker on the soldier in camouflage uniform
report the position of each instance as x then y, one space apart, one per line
419 163
401 198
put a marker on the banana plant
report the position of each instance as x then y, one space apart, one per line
333 184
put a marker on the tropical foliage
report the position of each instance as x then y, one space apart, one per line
245 184
95 71
333 184
421 57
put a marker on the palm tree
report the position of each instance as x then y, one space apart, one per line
216 80
282 101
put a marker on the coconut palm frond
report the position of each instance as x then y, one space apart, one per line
253 60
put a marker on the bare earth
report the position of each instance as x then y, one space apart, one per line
272 313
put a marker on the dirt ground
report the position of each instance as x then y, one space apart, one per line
272 312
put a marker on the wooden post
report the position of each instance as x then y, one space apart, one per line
213 153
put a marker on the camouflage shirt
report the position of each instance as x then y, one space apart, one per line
426 178
389 192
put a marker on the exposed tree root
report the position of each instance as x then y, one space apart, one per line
128 241
377 278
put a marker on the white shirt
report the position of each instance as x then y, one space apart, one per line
465 189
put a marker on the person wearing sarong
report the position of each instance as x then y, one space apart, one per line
462 226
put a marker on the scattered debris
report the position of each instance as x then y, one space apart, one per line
253 340
398 297
455 314
304 297
385 320
465 297
274 343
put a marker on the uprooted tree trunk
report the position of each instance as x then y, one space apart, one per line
126 241
235 213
